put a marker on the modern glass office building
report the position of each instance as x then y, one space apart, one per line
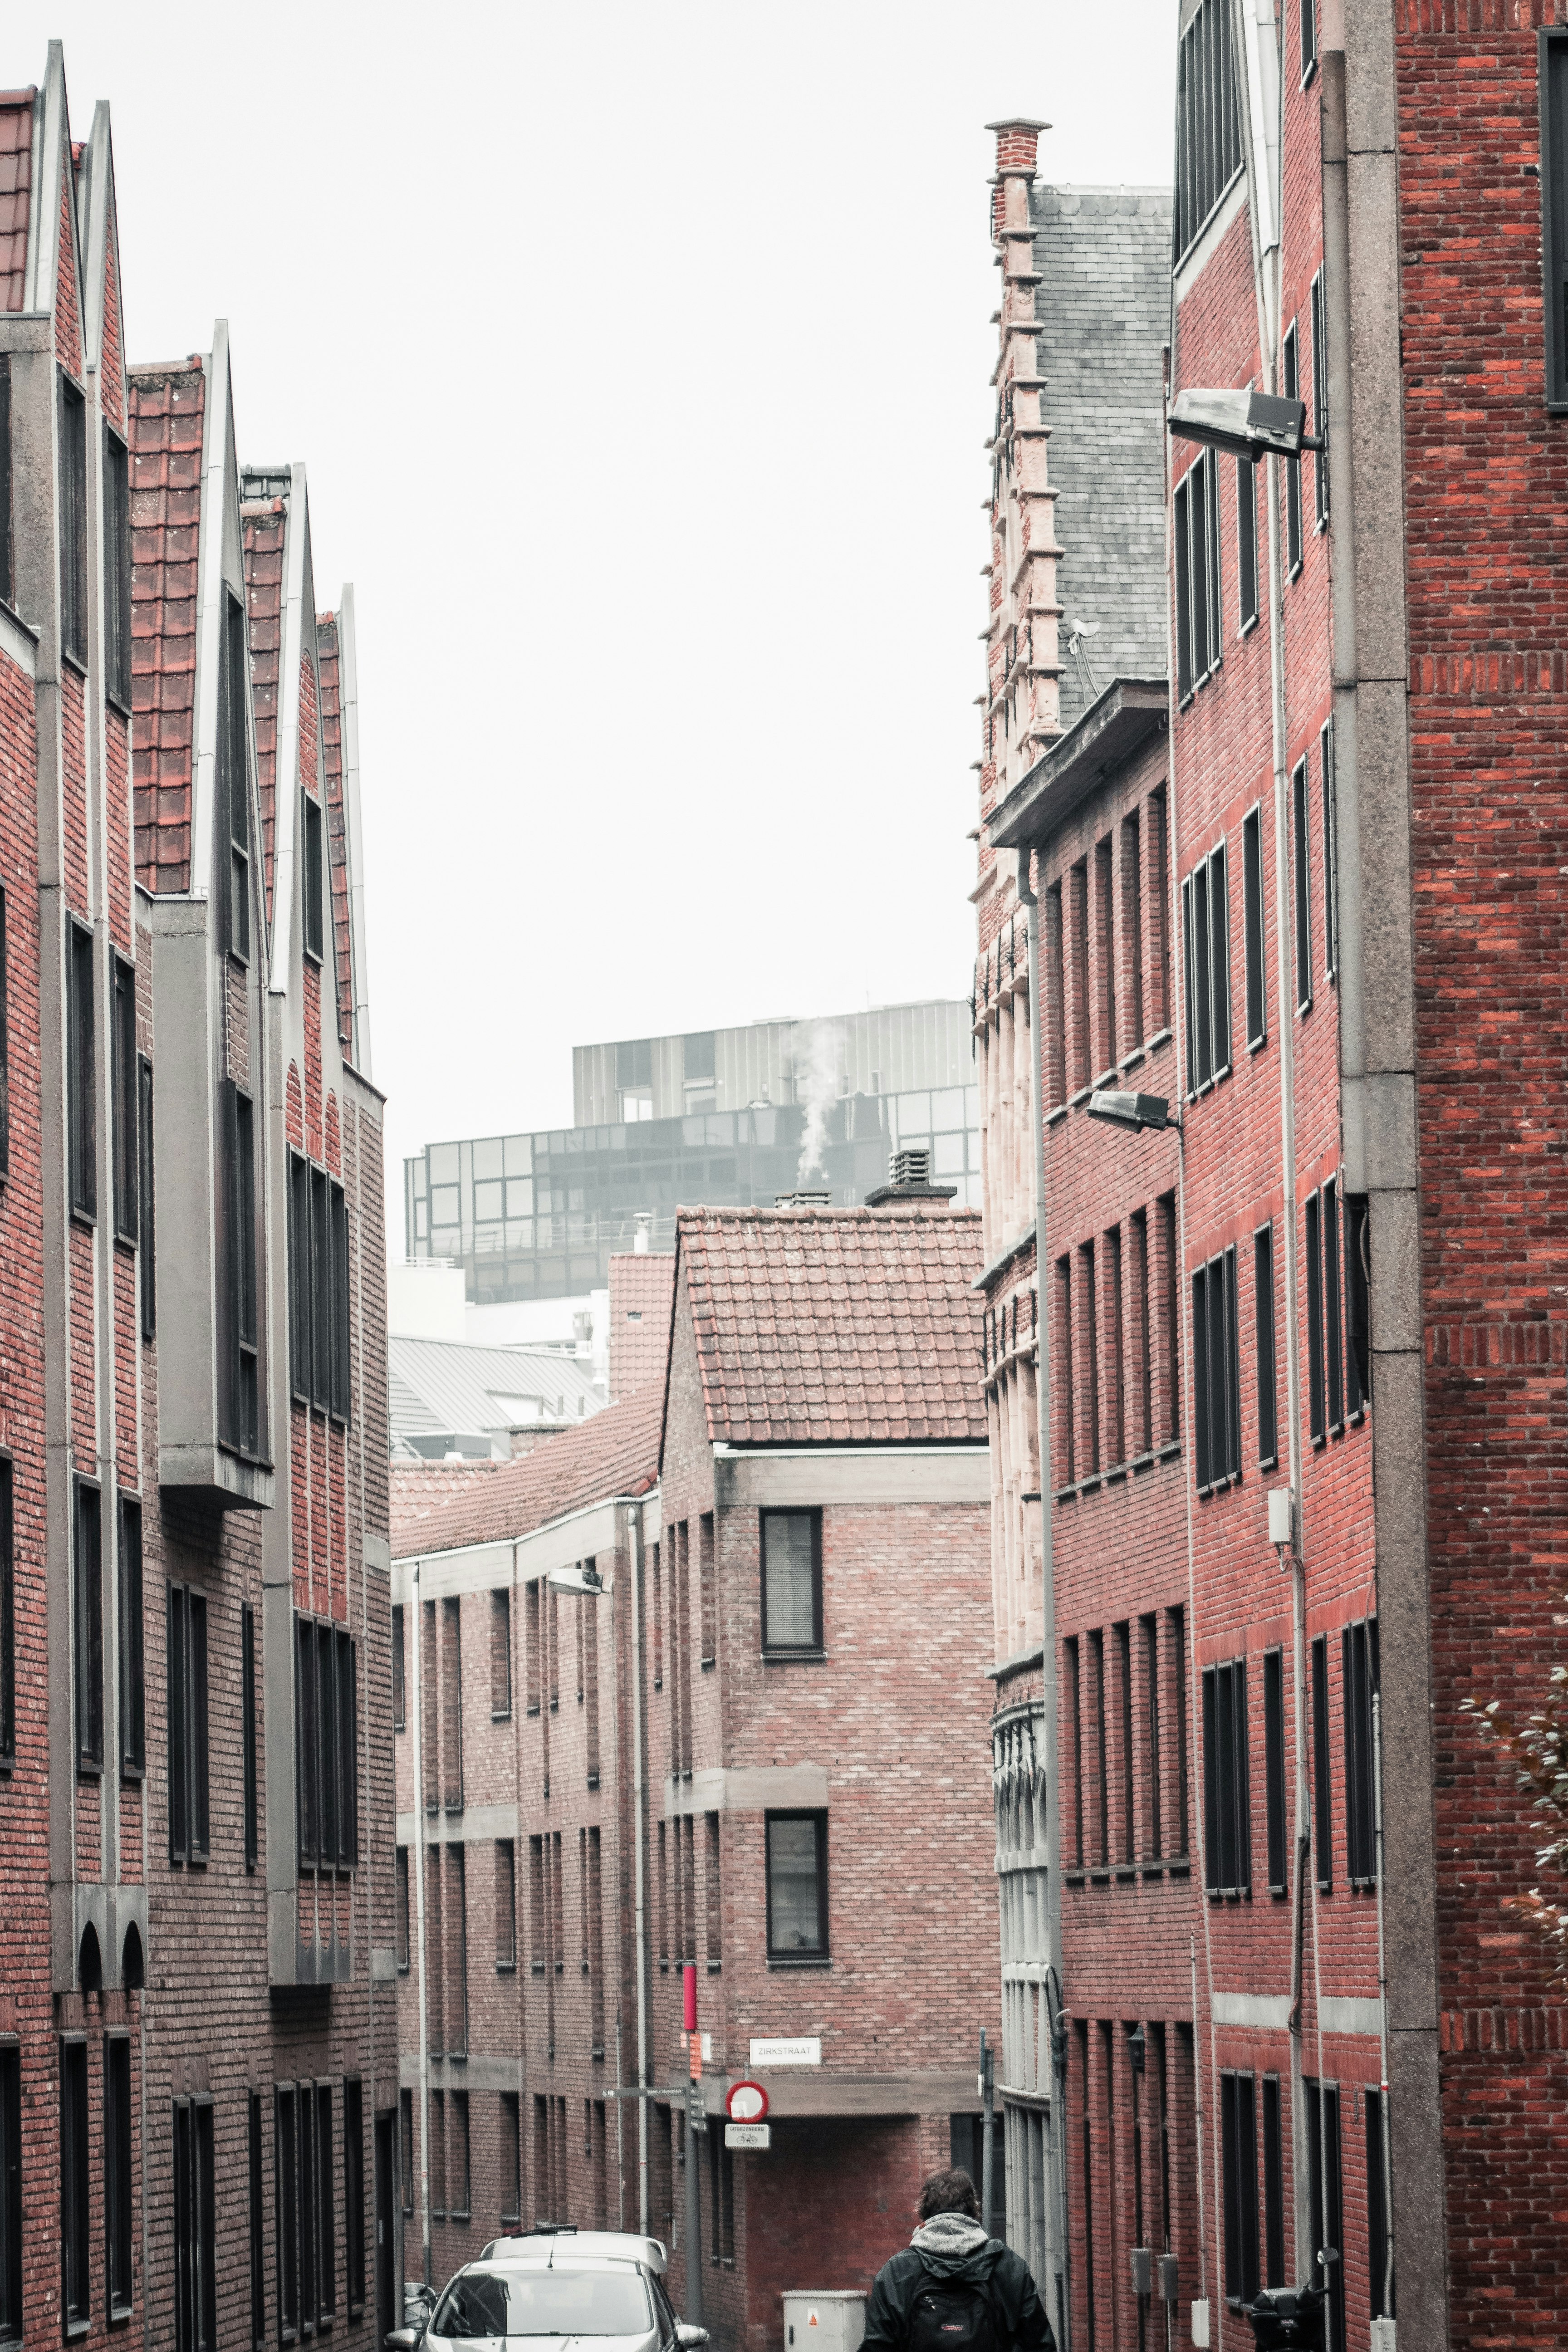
711 1119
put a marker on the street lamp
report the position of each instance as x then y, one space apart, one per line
1136 1111
1244 424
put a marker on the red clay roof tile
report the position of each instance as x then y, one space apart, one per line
615 1452
836 1326
16 191
166 409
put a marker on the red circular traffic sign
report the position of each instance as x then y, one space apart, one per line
745 2103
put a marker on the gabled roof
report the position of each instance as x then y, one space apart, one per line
616 1453
452 1388
329 658
642 1288
167 421
821 1327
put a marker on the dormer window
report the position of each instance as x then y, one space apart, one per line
310 871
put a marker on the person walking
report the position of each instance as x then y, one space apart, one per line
952 2288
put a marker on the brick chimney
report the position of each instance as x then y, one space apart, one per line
1017 145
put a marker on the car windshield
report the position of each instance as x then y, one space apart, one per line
544 2302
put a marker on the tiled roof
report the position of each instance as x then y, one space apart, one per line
264 525
16 191
836 1326
642 1286
327 655
166 409
616 1453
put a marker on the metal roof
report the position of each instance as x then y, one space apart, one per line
450 1388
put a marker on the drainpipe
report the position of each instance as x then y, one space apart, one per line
1383 2007
417 1613
639 1900
1056 2239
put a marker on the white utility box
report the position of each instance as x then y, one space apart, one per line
831 2321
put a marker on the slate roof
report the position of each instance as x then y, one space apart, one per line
1104 305
836 1326
16 191
616 1453
450 1387
328 655
166 407
642 1290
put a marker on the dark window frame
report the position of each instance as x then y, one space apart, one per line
1200 572
1359 1669
248 1734
1317 315
146 1198
87 1626
1357 1224
7 1627
1209 126
1552 68
1290 387
1279 1855
770 1648
116 568
195 2226
1331 855
1266 1311
255 2220
1253 929
76 2163
399 1669
1309 40
313 927
118 2205
1205 964
7 577
1313 1225
233 784
1228 1782
326 1744
354 2195
1246 545
10 2216
71 409
81 1073
123 1087
1238 2168
1301 885
501 1653
242 1424
1273 2184
1217 1373
5 1038
133 1661
185 1660
1323 1770
321 1306
778 1957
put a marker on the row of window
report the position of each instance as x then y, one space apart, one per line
1117 1388
1336 1248
1254 2134
73 496
1227 1779
1107 954
1125 1750
326 1743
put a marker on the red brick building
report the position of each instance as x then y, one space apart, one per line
193 1579
813 1815
1366 808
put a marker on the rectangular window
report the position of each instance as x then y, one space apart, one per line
288 2215
510 2160
713 1891
10 2184
1302 882
1238 2143
7 1641
353 2193
119 2210
73 522
1317 1421
116 567
456 1912
1326 2203
458 2160
1217 1373
707 1590
1553 103
144 1195
1309 63
1378 2248
1208 127
1291 388
1320 378
1273 2185
340 1397
1332 1327
326 1735
187 1667
311 875
436 2164
5 1023
797 1886
792 1582
1360 1668
1264 1312
247 1729
1246 543
122 1059
452 1703
402 1894
326 2213
307 2193
1228 1802
132 1663
1198 561
233 877
506 1904
81 1075
7 575
87 1632
500 1655
1274 1771
239 1319
1358 1335
398 1668
196 2229
1322 1768
1331 856
1206 935
405 2146
76 2269
253 2216
1254 931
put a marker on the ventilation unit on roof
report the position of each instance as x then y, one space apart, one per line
802 1200
908 1168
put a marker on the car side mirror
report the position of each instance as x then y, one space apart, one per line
690 2336
404 2339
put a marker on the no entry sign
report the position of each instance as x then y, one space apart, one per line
745 2103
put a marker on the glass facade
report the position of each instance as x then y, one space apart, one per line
538 1216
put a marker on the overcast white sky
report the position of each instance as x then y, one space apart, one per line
639 358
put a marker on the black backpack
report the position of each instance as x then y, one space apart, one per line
951 2316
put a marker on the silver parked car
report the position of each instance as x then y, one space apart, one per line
547 2295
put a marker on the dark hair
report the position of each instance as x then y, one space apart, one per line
949 2192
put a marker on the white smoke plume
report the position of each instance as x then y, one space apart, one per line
817 1076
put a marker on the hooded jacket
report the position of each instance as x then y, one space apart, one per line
951 2246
